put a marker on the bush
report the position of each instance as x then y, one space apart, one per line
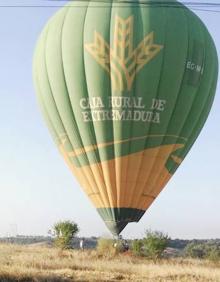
214 254
110 247
154 244
195 250
105 247
137 247
203 251
64 232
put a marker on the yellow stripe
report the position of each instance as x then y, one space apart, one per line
90 148
132 181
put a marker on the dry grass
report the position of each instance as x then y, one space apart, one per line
44 264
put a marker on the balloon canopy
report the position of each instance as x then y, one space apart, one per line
125 89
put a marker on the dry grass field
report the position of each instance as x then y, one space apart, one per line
44 264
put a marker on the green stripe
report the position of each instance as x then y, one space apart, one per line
117 218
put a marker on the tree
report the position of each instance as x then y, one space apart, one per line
154 243
65 231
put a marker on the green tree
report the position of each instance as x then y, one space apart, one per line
154 243
64 232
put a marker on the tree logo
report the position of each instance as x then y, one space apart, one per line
122 61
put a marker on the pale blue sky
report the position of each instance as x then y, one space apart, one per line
36 187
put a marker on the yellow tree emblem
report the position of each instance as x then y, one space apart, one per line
122 61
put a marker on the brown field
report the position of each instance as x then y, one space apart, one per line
39 263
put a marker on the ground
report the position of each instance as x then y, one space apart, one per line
39 263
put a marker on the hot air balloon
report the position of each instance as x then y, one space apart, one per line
125 89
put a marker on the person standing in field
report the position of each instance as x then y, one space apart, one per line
81 244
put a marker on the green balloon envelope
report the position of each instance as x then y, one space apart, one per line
125 89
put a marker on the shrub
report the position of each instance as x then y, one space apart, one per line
195 250
105 247
214 254
154 244
137 247
110 247
65 231
203 251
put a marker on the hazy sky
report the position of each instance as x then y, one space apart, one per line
36 187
